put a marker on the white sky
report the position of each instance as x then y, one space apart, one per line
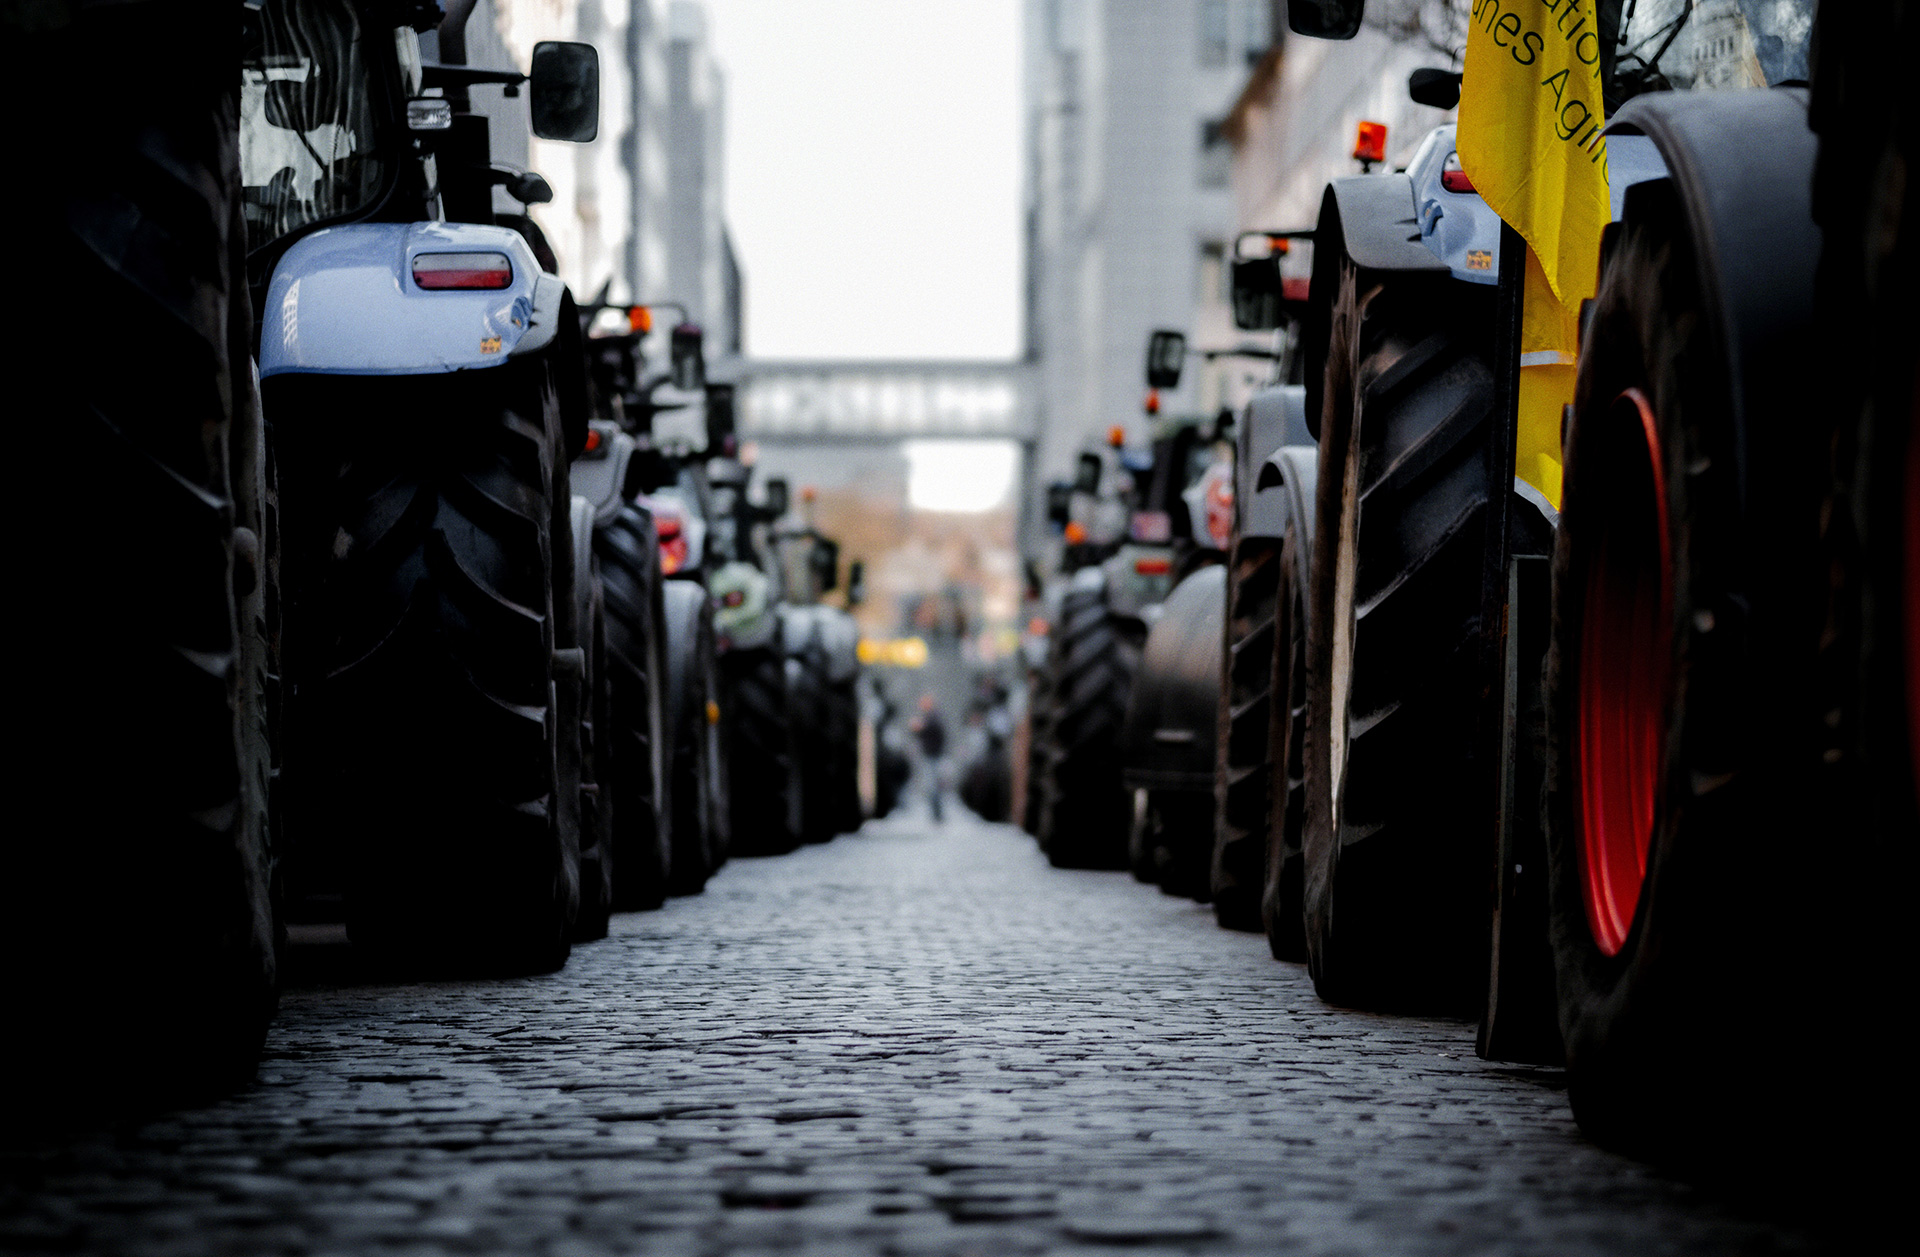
873 174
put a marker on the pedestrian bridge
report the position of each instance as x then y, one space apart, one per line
884 400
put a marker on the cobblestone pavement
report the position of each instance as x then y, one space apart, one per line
914 1040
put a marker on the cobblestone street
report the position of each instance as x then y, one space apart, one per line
913 1040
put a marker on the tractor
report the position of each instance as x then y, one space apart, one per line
424 387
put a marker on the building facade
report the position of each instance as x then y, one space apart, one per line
1129 206
637 215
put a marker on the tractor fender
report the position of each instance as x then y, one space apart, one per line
1168 740
601 477
1740 173
583 515
1457 227
1283 490
1276 417
1379 228
342 301
841 638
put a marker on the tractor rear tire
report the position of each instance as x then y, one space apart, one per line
1038 719
1397 822
1241 775
140 932
418 523
809 706
1177 842
1280 892
596 795
1085 807
642 850
690 706
759 751
1694 822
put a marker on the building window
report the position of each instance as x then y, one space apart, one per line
1216 155
1216 32
1216 278
1256 25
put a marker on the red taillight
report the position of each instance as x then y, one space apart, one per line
462 270
666 527
593 441
1452 177
1153 567
673 553
1293 288
733 598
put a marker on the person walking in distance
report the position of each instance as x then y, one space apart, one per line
932 733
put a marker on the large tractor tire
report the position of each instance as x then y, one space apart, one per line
1241 775
1283 882
1867 202
419 528
1706 861
1395 844
1085 808
692 711
140 932
596 795
1038 718
642 850
809 707
760 766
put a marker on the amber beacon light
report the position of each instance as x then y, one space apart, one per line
1370 143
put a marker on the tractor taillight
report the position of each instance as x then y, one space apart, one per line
462 270
1452 177
1153 567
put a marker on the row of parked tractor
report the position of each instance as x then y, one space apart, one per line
441 609
1628 777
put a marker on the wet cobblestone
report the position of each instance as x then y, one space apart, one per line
916 1040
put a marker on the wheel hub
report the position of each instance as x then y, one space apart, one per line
1624 663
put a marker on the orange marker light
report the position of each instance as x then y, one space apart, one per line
1076 533
1279 244
641 318
1370 142
1152 404
1117 435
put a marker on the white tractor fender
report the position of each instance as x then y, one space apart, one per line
343 301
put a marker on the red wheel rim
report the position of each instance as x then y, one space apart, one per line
1625 656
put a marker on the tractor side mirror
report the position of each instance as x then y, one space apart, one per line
566 91
687 358
1166 356
1438 88
720 423
778 498
1059 502
1086 474
825 561
856 583
1256 294
1325 19
647 470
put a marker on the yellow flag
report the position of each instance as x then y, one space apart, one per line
1529 138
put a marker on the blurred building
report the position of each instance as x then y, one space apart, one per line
1129 205
637 214
1294 125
